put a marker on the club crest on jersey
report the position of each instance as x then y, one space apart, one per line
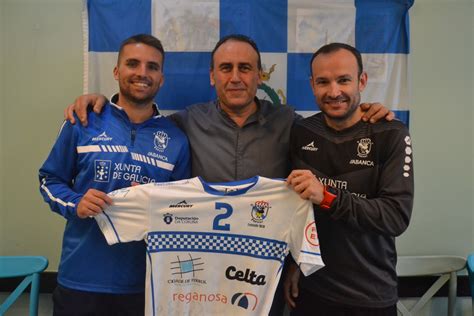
260 211
168 218
102 170
161 141
364 146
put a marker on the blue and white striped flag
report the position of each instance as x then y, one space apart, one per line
287 32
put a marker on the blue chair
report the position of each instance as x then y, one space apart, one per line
470 270
23 266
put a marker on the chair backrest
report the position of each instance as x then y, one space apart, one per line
429 265
22 266
470 271
445 267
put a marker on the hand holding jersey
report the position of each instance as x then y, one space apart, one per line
92 203
305 183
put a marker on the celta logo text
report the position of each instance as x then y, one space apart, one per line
248 276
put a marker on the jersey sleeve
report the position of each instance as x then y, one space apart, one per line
304 243
128 218
57 174
389 211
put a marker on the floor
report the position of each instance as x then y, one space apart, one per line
436 307
20 307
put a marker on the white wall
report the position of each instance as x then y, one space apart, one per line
2 103
441 128
41 72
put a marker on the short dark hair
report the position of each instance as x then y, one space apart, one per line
334 47
237 38
146 39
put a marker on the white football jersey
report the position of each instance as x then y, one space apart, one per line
214 249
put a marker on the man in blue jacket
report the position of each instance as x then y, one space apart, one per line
129 143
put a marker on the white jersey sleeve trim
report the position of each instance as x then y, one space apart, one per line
53 198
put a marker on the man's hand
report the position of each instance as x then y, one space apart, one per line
80 105
290 285
93 203
374 112
305 183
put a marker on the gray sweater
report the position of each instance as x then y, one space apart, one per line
222 151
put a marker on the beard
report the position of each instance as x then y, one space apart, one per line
138 99
353 105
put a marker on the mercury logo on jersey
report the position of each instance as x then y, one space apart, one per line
310 147
182 204
102 137
249 276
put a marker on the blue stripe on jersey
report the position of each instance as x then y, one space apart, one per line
207 186
311 253
151 283
243 245
113 227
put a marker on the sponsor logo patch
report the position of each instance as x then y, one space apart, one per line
168 218
182 204
249 276
311 234
245 300
185 270
310 147
102 137
102 170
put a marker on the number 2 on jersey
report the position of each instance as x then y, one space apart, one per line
216 225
